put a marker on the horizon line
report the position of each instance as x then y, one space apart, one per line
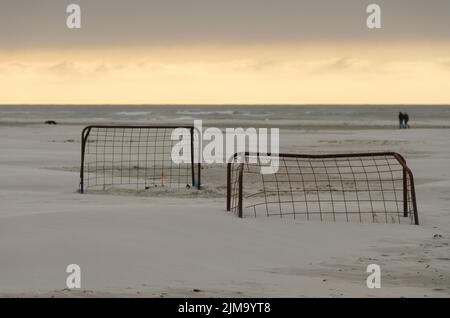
226 104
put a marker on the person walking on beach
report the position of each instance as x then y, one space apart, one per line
401 119
406 120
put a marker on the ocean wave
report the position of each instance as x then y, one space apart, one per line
131 113
251 114
185 118
223 112
199 112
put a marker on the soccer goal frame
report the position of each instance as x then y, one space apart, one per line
135 156
353 187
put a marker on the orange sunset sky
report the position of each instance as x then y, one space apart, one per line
220 52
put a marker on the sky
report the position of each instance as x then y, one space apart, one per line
224 52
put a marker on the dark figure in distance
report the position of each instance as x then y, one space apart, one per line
401 119
406 119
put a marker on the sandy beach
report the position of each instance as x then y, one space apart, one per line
167 245
227 151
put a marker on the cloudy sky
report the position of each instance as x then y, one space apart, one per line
228 51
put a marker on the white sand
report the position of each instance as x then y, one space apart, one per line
156 246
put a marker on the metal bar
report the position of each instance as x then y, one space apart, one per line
192 156
199 163
199 174
229 186
405 193
413 196
241 175
139 126
84 136
327 156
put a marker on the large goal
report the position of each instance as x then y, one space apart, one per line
136 157
361 187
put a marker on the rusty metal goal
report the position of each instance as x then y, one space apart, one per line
358 187
135 157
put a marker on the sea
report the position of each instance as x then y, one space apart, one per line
425 115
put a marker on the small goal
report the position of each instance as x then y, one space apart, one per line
136 157
358 187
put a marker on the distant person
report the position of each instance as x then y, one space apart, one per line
401 120
406 120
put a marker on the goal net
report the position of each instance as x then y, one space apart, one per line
136 157
368 187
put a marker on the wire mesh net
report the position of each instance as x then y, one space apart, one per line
136 157
376 188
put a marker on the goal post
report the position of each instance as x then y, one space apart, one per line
353 187
136 157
